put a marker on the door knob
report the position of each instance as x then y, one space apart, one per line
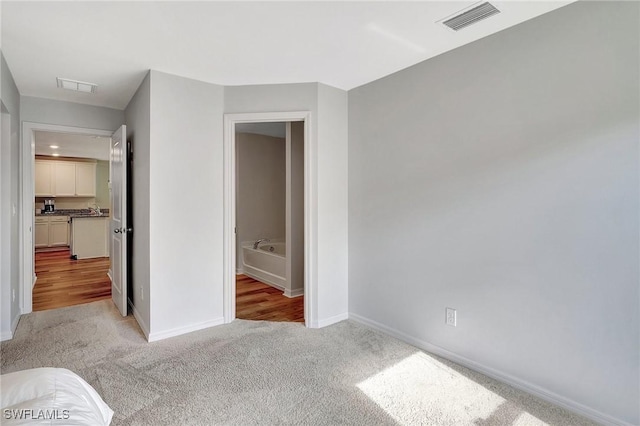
117 230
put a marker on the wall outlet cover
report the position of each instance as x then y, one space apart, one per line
450 317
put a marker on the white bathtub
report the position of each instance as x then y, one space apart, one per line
266 264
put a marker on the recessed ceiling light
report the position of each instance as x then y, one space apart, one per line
78 86
55 154
54 146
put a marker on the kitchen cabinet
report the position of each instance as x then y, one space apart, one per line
51 231
41 232
64 182
58 231
65 178
85 179
44 178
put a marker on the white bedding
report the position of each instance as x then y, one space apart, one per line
50 396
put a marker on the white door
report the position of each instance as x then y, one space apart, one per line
119 229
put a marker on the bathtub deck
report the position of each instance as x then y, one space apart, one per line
258 301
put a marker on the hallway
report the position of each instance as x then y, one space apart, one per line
64 282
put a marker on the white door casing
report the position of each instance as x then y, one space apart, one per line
118 229
27 202
310 205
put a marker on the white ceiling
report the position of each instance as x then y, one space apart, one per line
342 44
72 145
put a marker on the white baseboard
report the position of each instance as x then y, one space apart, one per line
239 271
517 383
161 335
265 280
328 321
144 327
8 335
294 293
284 290
14 324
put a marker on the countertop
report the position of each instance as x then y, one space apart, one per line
87 216
76 213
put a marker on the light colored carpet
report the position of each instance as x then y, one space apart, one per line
264 373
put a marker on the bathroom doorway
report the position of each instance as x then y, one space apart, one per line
269 238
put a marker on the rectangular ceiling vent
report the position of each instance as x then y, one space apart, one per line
78 86
471 16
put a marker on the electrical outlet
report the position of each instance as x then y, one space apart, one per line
450 317
141 293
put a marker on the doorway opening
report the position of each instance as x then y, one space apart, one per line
63 183
270 221
72 202
269 250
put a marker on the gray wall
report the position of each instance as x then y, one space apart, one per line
186 193
332 163
64 113
501 179
9 222
138 121
260 189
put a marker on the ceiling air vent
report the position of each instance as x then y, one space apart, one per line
78 86
471 16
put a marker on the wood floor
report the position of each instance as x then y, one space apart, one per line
258 301
64 282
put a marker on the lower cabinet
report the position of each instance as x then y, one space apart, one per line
51 231
58 231
41 233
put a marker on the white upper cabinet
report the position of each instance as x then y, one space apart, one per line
44 178
64 173
65 178
86 179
